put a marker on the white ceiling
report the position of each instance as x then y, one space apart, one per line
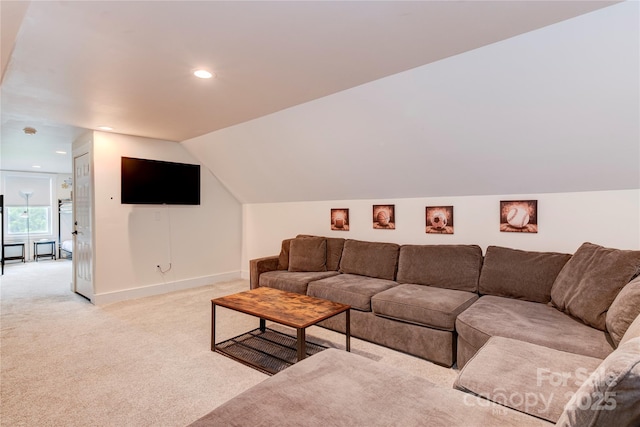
74 65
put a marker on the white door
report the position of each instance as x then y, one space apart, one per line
83 234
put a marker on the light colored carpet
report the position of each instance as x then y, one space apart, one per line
143 362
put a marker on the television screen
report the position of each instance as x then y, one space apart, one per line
154 182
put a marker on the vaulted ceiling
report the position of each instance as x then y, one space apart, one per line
68 66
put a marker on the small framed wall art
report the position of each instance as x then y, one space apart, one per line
519 216
384 217
340 219
439 219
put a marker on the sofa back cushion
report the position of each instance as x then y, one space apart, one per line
445 266
372 259
308 254
334 252
623 310
283 258
590 281
520 274
610 396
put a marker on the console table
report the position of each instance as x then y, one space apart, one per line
14 257
52 249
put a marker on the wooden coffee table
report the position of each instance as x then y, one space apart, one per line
286 308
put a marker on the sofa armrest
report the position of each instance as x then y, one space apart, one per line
261 265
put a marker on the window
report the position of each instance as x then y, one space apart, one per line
35 220
28 199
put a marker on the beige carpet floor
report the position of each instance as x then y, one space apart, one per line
143 362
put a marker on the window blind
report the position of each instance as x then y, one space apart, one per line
40 189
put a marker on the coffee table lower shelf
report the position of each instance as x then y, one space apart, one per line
267 350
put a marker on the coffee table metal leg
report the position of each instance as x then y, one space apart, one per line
263 325
213 326
302 344
348 329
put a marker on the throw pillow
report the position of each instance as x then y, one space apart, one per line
334 250
308 254
624 309
590 281
610 396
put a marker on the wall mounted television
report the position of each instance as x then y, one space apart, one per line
155 182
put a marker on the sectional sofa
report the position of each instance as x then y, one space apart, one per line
548 337
443 302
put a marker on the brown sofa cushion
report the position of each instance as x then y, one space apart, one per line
350 289
527 377
283 258
292 281
372 259
334 250
423 305
340 389
308 254
444 266
532 322
520 274
590 281
610 396
623 310
633 331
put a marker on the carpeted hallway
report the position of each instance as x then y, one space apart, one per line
144 362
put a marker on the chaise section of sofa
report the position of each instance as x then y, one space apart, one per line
526 377
335 388
559 386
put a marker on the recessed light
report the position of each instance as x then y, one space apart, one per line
107 128
61 152
36 166
203 74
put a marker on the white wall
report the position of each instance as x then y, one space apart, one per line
63 191
565 220
203 243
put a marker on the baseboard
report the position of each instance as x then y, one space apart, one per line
163 288
244 274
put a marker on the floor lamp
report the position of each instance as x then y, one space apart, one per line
26 195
